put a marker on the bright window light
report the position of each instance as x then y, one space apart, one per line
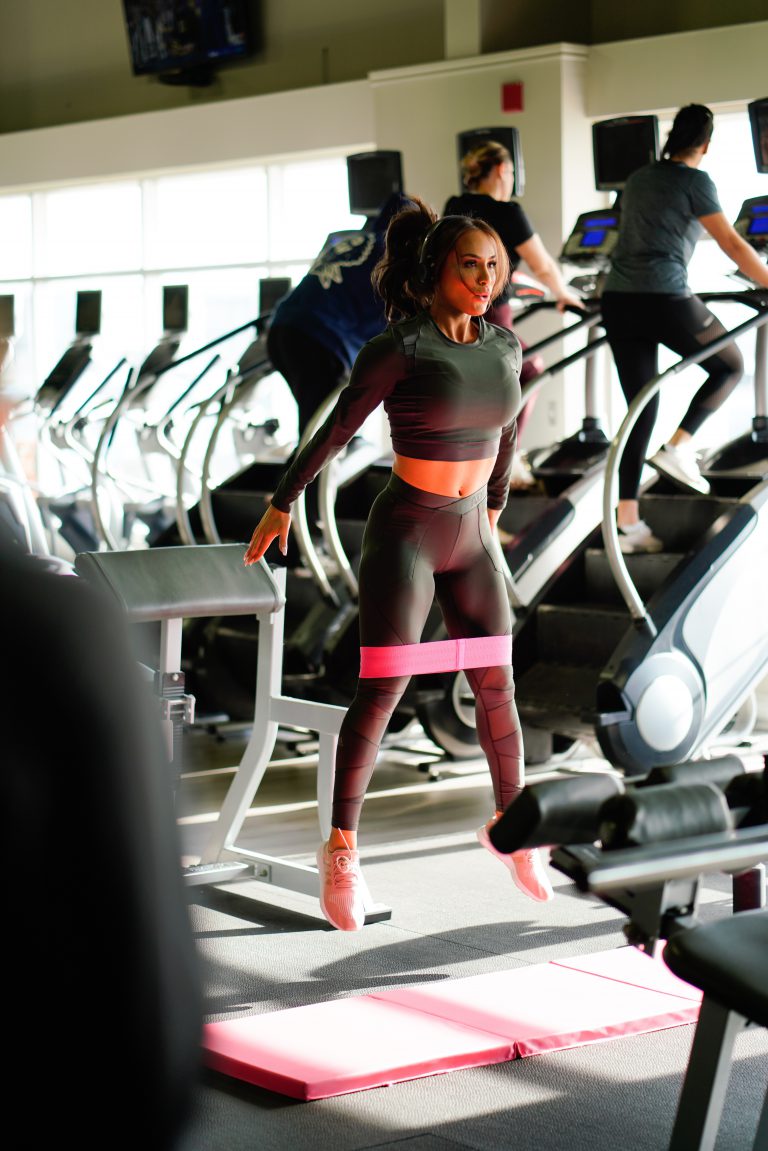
293 231
80 231
210 218
16 233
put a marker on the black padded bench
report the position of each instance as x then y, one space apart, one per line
728 962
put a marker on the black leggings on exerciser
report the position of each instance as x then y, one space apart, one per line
636 323
417 545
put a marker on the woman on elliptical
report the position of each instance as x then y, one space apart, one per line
449 383
665 207
488 174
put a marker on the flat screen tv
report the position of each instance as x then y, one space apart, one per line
620 146
508 136
758 120
184 41
372 177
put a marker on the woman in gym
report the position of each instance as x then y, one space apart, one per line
665 207
449 382
488 174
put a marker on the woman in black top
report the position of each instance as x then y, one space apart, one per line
665 208
449 382
488 174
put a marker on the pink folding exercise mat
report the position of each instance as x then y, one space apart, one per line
433 1028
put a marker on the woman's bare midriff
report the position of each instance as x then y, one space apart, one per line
455 478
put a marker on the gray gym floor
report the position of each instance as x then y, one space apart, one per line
455 912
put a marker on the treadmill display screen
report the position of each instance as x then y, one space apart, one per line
758 227
593 239
601 222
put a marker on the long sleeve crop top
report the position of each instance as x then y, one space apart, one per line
444 401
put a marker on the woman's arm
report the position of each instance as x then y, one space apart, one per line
545 268
735 247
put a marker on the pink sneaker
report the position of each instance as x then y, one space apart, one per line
526 867
341 900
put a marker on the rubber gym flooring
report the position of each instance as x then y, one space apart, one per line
455 912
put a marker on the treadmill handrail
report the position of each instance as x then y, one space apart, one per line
587 319
229 396
616 562
206 347
304 541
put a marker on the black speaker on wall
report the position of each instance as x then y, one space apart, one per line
372 178
508 137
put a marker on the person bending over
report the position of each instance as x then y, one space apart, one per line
449 383
665 207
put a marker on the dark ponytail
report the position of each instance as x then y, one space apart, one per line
691 128
394 277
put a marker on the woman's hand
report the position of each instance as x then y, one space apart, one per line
272 524
568 300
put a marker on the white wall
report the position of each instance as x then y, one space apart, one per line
334 117
715 66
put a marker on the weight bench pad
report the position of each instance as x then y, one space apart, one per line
728 961
182 582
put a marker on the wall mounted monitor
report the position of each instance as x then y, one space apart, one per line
621 146
508 136
372 178
272 289
7 329
88 313
758 121
184 43
175 307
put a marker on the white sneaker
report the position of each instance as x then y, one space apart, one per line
680 464
341 900
638 538
526 867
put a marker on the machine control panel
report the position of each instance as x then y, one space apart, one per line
593 239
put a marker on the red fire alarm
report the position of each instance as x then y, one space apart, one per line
511 97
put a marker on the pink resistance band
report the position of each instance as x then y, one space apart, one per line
440 655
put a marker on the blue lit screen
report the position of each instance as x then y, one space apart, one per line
593 239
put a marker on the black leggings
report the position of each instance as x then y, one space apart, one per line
417 545
636 323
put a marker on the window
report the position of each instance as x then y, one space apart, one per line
219 232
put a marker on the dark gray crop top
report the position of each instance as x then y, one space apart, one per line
445 401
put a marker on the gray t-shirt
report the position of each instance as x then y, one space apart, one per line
660 209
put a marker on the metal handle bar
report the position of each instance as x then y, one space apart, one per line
590 320
610 493
207 347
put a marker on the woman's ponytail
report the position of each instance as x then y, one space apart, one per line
395 276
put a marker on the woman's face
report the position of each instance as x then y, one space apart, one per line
468 276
